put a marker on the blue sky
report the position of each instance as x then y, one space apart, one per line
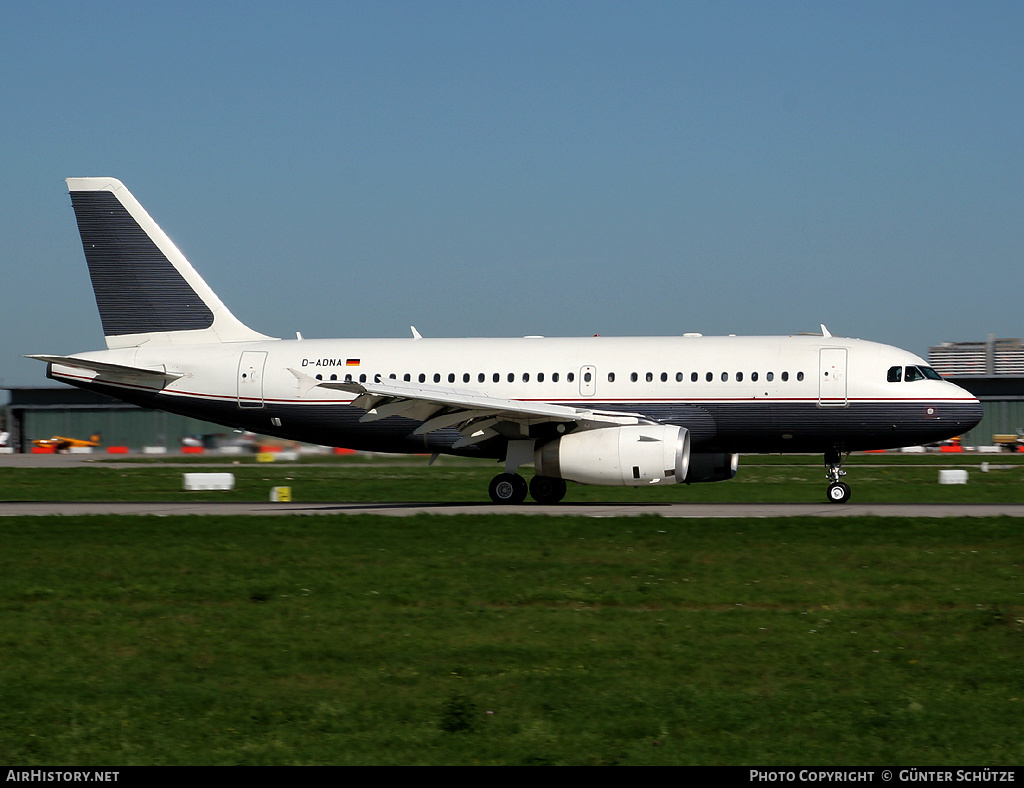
510 168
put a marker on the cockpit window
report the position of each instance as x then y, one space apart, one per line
911 373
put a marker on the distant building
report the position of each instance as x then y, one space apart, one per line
993 371
988 358
42 412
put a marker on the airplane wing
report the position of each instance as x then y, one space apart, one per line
111 370
477 417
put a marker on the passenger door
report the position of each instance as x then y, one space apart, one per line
832 377
250 378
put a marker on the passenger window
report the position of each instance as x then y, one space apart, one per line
526 377
480 378
570 376
739 377
511 377
554 377
753 377
799 375
611 377
785 376
496 377
679 377
437 377
725 376
633 377
362 378
895 374
540 377
693 377
587 377
664 377
650 376
465 377
769 376
709 377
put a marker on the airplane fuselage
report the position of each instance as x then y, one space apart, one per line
734 394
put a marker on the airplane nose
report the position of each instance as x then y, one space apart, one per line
979 412
965 409
969 413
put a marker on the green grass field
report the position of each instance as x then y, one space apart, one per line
761 479
510 640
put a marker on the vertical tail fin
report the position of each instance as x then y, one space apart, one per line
146 290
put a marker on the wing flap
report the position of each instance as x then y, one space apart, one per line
476 416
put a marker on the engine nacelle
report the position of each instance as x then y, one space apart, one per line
631 456
712 467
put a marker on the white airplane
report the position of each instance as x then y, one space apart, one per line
628 411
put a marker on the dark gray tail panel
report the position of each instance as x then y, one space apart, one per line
138 290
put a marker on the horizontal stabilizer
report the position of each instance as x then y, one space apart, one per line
104 368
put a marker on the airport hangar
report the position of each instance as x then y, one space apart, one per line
44 412
992 370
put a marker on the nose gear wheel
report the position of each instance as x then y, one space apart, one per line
838 492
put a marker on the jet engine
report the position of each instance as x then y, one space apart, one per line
712 467
631 456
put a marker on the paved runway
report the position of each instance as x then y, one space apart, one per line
713 510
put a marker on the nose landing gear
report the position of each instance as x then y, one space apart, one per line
838 492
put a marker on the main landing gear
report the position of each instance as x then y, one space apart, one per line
838 492
512 488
